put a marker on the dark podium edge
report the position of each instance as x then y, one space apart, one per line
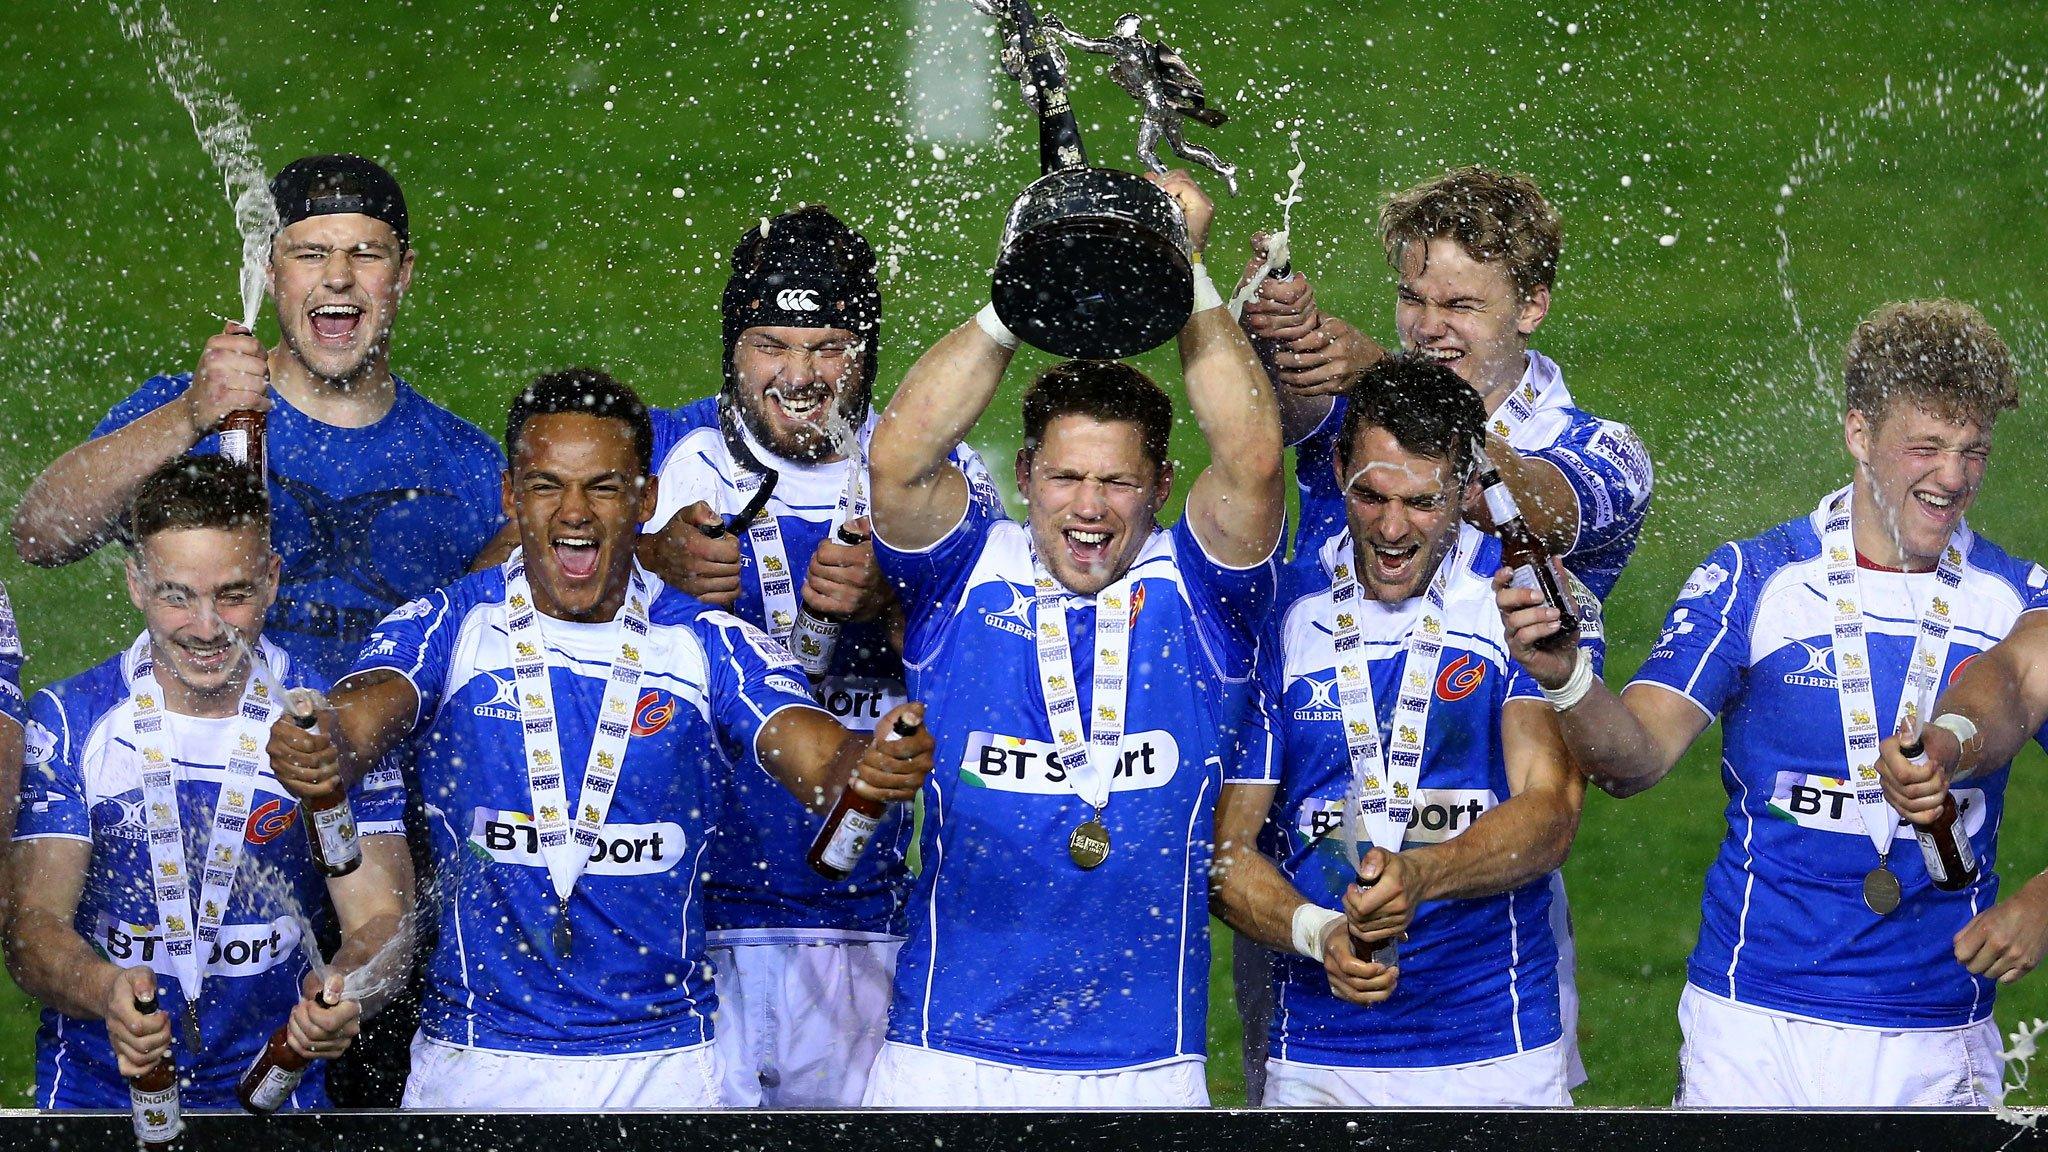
1207 1130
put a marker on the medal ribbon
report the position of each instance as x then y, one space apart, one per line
170 883
566 845
1090 762
1520 405
1383 781
1860 734
771 560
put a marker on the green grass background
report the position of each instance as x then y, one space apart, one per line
1898 147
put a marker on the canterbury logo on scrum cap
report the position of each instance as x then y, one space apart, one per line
797 299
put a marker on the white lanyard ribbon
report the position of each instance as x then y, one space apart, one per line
1090 761
1383 782
566 845
771 560
1860 734
1520 404
170 883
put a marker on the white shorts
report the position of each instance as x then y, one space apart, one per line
799 1024
1739 1056
451 1077
1532 1079
905 1076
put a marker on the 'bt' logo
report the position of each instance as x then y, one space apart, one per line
797 300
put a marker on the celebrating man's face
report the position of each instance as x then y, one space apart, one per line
800 389
1093 494
579 495
337 280
1403 509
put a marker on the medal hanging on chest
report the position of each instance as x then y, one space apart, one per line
567 846
1853 690
1090 761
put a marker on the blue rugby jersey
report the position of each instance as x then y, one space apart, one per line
1016 955
1479 977
636 981
1783 924
82 780
759 887
364 519
12 705
1603 461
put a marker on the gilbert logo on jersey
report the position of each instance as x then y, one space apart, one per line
1015 764
621 849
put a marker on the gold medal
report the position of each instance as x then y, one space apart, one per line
1881 890
1089 845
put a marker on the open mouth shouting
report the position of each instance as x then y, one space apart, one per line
1393 565
576 556
334 325
1448 357
1942 508
206 658
807 407
1088 547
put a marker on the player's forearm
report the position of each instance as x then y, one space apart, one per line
2004 692
1248 892
52 963
934 408
1240 497
77 503
497 549
373 712
1526 837
1546 500
381 950
1611 745
374 905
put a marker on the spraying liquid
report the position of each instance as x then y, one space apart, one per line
223 133
1277 254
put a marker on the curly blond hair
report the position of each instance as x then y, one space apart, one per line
1497 217
1939 355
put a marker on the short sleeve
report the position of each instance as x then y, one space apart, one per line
752 678
1322 506
53 799
378 799
12 705
1256 753
417 641
1609 471
931 578
1232 604
2034 592
1703 652
155 392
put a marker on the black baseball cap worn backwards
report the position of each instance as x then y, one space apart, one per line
331 185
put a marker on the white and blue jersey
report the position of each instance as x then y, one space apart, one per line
758 886
82 780
1783 924
1479 977
364 519
637 981
1016 955
12 705
1603 461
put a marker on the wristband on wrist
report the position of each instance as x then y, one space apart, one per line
1310 923
1961 727
1567 696
996 329
1206 296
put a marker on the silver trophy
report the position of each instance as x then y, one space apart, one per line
1094 261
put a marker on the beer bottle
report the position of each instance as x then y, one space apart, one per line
241 438
852 823
153 1097
1945 843
1386 952
1524 555
277 1070
330 823
813 638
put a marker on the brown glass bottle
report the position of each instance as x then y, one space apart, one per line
851 824
330 824
1944 844
241 438
814 638
1525 557
276 1072
153 1098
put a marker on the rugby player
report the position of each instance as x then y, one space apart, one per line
1384 683
1078 669
1476 254
572 718
804 965
13 721
377 494
157 856
1826 973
